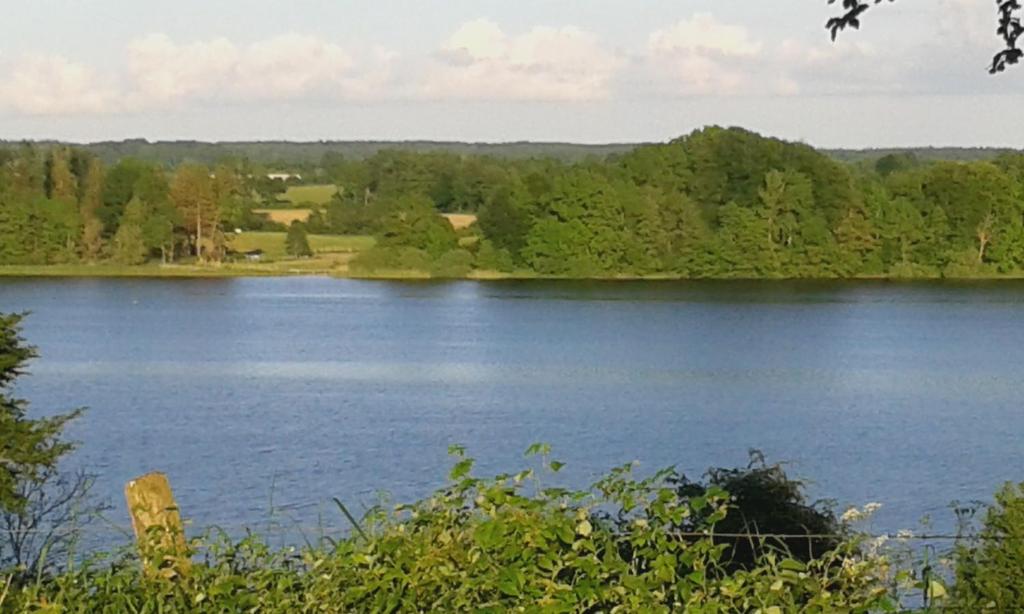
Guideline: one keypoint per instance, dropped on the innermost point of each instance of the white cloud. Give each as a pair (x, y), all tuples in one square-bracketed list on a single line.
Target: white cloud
[(701, 56), (703, 33), (480, 61), (286, 67), (967, 22), (54, 85), (845, 67)]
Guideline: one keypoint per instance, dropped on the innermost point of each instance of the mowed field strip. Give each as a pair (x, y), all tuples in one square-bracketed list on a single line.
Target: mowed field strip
[(272, 243), (299, 195)]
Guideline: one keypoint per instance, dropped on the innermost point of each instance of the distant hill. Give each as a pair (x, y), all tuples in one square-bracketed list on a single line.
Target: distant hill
[(926, 154), (285, 153)]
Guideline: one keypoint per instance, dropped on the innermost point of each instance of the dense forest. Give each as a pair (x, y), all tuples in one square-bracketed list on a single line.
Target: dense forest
[(715, 203)]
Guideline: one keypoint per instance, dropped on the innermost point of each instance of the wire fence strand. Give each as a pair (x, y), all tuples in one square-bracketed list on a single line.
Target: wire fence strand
[(314, 529)]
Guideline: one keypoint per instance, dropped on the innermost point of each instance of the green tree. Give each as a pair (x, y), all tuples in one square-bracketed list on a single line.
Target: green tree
[(587, 224), (158, 229), (194, 195), (784, 196), (743, 249), (89, 209), (903, 225), (453, 264), (856, 242), (296, 242), (61, 183), (983, 213), (19, 235), (28, 446), (118, 190), (129, 246), (688, 248), (490, 258), (59, 228), (506, 218), (412, 221)]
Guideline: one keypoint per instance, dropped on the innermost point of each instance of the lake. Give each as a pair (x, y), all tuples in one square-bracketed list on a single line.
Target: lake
[(262, 398)]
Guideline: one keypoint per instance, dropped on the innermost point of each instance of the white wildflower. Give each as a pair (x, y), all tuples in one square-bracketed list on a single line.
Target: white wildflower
[(874, 545)]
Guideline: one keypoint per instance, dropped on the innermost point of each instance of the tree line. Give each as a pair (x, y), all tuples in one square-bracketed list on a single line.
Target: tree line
[(63, 205), (717, 203)]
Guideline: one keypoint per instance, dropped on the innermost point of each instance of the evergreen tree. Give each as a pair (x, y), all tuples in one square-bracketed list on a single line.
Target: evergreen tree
[(89, 209), (297, 242), (129, 247), (28, 446), (61, 183)]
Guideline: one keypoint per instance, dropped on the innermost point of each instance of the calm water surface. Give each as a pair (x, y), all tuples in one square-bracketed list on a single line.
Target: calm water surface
[(261, 394)]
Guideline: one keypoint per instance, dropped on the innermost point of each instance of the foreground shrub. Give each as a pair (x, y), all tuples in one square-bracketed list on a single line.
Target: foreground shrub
[(764, 500), (510, 543), (990, 571)]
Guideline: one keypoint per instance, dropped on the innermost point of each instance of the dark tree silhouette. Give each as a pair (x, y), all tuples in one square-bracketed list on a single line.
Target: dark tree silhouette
[(1008, 29)]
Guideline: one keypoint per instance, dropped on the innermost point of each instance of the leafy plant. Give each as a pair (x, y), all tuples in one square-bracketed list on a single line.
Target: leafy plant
[(508, 543), (988, 567)]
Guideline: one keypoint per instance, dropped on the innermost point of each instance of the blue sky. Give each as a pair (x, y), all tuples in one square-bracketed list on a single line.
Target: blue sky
[(576, 70)]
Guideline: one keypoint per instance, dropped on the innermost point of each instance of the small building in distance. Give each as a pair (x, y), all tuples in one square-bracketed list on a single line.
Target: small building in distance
[(254, 255), (284, 176)]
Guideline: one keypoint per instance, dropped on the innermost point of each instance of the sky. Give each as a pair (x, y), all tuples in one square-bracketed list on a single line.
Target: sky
[(590, 71)]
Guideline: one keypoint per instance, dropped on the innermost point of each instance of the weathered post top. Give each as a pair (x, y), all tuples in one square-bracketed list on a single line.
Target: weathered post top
[(157, 524)]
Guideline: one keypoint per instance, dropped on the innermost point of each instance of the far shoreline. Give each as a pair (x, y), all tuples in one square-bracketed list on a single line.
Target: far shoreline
[(230, 271)]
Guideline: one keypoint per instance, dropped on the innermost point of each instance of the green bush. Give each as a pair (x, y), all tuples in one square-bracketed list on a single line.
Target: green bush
[(907, 270), (963, 264), (511, 543), (453, 264), (491, 258), (990, 570), (382, 259)]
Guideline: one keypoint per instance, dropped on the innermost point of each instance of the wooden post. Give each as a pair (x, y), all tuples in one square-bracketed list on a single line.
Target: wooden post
[(157, 524)]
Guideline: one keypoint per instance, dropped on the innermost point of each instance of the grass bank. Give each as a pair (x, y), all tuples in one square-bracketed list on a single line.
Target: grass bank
[(331, 254), (336, 265)]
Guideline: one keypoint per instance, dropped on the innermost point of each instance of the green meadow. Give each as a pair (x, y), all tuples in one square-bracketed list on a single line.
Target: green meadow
[(298, 195)]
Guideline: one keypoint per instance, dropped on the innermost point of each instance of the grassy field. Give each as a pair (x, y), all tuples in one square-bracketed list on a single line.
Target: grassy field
[(316, 194), (285, 216), (460, 220), (272, 243)]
